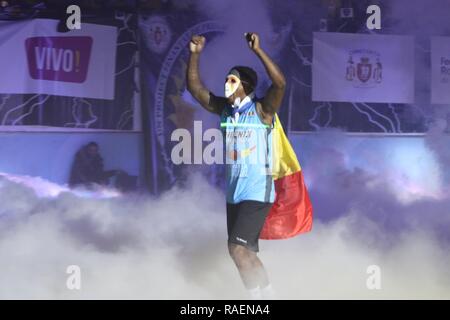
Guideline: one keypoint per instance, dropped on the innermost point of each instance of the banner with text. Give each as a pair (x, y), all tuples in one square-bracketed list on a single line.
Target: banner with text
[(440, 70), (36, 58)]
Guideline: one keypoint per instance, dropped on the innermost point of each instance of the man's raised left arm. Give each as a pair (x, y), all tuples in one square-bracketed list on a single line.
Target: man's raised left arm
[(274, 96)]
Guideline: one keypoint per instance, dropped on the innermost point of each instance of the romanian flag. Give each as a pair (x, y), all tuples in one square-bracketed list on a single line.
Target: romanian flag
[(292, 212)]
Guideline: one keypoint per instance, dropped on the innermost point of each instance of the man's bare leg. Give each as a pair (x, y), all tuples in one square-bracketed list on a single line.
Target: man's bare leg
[(251, 269)]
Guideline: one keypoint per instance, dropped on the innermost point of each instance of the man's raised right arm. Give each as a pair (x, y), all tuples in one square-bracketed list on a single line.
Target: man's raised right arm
[(194, 85)]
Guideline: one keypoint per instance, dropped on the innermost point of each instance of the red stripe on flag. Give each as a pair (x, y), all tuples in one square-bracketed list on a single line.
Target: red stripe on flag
[(292, 212)]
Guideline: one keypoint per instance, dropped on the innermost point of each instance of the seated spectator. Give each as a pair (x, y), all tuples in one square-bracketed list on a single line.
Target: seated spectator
[(87, 169)]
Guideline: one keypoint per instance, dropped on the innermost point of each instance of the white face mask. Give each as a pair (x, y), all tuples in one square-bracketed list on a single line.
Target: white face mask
[(231, 85)]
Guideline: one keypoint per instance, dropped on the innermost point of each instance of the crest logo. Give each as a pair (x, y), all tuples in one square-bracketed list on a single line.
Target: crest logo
[(157, 32), (364, 68)]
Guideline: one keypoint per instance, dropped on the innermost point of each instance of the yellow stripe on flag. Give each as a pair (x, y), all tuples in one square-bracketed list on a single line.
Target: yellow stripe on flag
[(284, 159)]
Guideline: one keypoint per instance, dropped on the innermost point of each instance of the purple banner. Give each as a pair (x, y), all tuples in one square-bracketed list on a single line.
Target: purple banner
[(64, 59)]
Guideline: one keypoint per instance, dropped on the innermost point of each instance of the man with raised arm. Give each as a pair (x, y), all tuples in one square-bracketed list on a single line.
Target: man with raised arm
[(247, 123)]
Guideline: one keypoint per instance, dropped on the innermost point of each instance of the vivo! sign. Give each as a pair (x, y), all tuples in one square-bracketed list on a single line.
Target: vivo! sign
[(63, 59)]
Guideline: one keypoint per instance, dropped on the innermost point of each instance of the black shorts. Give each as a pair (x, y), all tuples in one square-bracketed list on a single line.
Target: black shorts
[(245, 221)]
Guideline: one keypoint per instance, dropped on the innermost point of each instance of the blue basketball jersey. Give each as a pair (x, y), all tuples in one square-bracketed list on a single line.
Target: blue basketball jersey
[(248, 155)]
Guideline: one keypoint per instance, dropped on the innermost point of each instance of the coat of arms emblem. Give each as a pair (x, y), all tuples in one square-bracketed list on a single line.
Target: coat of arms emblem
[(367, 71)]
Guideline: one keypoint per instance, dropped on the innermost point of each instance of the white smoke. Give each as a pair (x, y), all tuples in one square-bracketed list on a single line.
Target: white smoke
[(174, 246)]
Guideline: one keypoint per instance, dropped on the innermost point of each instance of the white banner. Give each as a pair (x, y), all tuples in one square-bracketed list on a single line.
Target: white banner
[(35, 58), (363, 68), (440, 70)]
